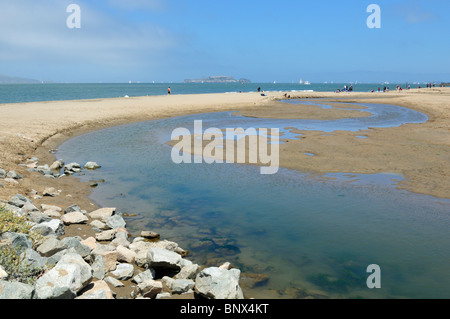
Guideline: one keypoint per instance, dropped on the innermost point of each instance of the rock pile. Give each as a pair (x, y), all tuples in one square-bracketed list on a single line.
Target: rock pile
[(92, 268)]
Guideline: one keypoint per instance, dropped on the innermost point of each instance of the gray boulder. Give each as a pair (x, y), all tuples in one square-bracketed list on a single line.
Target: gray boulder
[(57, 165), (75, 243), (85, 270), (15, 290), (115, 221), (17, 240), (34, 215), (2, 173), (19, 200), (188, 271), (50, 246), (99, 268), (42, 229), (219, 283), (178, 286), (56, 225), (62, 282), (72, 168), (149, 274), (14, 175), (71, 209), (70, 275), (32, 258), (16, 210), (29, 207)]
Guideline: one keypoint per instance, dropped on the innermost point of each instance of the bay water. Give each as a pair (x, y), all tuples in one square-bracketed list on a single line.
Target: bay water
[(17, 93), (292, 234)]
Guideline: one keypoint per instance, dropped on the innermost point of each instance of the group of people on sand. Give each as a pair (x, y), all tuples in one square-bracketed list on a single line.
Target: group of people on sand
[(345, 89), (385, 89)]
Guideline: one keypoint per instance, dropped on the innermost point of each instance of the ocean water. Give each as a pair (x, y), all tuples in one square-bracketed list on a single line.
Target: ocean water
[(291, 234), (15, 93)]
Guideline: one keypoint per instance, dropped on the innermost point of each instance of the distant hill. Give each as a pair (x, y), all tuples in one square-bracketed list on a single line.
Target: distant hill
[(217, 79), (5, 79)]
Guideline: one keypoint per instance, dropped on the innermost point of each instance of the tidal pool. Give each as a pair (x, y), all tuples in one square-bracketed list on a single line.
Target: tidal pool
[(291, 234)]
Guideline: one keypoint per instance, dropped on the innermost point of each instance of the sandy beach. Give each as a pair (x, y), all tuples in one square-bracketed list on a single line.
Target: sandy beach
[(419, 152)]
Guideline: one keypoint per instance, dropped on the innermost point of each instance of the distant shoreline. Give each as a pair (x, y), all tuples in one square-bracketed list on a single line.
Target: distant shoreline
[(45, 92)]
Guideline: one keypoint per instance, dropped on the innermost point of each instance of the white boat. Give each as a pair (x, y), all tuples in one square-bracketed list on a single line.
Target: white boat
[(301, 81), (307, 83)]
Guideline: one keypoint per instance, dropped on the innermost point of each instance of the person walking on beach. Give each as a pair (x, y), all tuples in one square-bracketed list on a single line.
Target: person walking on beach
[(169, 91)]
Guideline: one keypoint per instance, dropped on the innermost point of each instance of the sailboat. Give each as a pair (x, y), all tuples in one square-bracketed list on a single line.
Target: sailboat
[(301, 81)]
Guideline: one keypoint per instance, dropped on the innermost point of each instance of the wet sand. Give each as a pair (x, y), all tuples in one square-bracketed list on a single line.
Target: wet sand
[(420, 152)]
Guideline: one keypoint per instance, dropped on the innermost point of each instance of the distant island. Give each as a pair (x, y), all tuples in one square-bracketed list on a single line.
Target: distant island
[(5, 79), (217, 79)]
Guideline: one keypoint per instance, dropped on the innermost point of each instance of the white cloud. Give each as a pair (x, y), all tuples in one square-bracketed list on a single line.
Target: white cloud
[(36, 32)]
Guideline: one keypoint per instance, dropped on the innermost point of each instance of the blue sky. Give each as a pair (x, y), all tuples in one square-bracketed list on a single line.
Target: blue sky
[(264, 41)]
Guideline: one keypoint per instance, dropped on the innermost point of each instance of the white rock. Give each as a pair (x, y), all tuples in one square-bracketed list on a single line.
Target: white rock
[(3, 274), (106, 235), (149, 274), (52, 207), (102, 213), (52, 213), (113, 281), (148, 289), (97, 290), (50, 191), (123, 271), (218, 283), (90, 242), (98, 224), (91, 165), (126, 255), (74, 218), (159, 258)]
